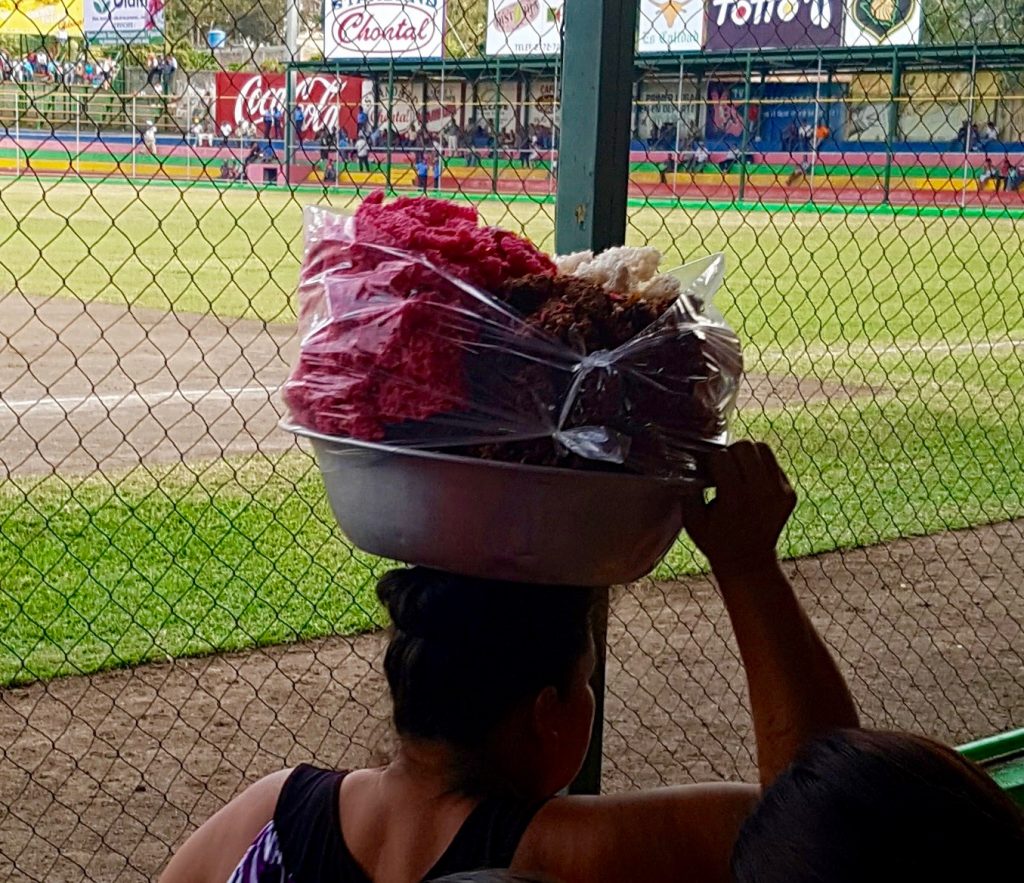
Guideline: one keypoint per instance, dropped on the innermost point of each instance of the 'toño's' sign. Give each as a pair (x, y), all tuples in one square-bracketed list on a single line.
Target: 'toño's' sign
[(383, 28)]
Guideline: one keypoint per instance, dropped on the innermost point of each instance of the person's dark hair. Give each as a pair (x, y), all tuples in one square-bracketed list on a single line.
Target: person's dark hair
[(859, 805), (464, 652)]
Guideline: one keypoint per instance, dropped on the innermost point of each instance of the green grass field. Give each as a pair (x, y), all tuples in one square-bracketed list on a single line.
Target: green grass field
[(105, 570)]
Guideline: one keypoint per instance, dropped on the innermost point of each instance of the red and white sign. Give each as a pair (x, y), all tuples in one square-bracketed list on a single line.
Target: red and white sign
[(326, 100), (384, 28)]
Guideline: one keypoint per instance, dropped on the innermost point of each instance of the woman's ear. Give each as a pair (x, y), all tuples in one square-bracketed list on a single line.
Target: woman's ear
[(548, 710)]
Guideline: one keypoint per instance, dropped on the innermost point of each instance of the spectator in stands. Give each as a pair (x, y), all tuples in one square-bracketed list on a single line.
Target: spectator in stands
[(438, 166), (330, 172), (199, 134), (344, 147), (149, 137), (328, 142), (107, 71), (989, 134), (153, 71), (729, 160), (668, 166), (865, 806), (493, 711), (1003, 173), (791, 136), (988, 173), (422, 172), (699, 157), (1013, 179), (168, 70), (800, 172), (362, 121), (246, 133), (299, 121), (820, 136), (226, 172), (225, 133), (277, 115), (806, 134), (523, 144), (362, 150), (268, 124), (254, 155)]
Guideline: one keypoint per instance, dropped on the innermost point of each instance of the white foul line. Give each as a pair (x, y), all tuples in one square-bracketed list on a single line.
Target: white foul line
[(112, 400), (938, 347)]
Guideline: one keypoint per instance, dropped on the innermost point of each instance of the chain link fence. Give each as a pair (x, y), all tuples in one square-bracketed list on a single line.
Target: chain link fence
[(178, 613)]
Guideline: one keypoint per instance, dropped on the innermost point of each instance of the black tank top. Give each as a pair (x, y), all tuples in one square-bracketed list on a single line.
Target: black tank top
[(308, 823)]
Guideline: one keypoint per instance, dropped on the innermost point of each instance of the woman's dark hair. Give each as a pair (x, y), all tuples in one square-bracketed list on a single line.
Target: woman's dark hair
[(859, 806), (464, 652)]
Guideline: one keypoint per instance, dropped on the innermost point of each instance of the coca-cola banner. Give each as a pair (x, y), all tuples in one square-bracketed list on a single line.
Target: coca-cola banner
[(524, 27), (773, 24), (384, 28), (326, 100)]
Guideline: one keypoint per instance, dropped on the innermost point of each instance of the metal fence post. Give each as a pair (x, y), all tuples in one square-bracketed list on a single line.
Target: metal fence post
[(496, 153), (597, 89), (390, 118), (17, 131), (135, 135), (968, 145), (593, 179), (892, 129), (745, 140), (289, 116)]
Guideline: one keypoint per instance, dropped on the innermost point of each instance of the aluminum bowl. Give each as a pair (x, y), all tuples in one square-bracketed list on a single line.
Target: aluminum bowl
[(498, 520)]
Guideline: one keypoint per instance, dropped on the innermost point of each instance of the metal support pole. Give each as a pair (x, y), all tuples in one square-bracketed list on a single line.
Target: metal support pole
[(593, 177), (593, 182), (588, 781), (970, 123), (679, 124), (892, 128), (496, 152), (78, 135), (17, 131), (815, 146), (188, 132), (289, 135), (745, 140), (135, 135), (556, 104), (389, 116), (291, 31)]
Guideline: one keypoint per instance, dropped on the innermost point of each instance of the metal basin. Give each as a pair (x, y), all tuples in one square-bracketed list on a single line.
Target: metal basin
[(498, 520)]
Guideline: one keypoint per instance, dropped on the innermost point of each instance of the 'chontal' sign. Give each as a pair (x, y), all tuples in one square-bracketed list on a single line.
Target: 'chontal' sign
[(384, 28)]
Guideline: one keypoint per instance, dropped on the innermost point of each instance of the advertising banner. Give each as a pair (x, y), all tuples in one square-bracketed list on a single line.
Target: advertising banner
[(670, 25), (773, 24), (524, 27), (725, 119), (326, 100), (41, 18), (124, 21), (384, 28), (883, 22)]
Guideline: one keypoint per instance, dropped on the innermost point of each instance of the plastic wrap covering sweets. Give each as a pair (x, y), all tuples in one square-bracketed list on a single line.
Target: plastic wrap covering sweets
[(420, 327)]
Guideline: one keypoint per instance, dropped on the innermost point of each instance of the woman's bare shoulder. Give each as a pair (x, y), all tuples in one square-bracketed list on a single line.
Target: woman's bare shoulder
[(678, 833), (213, 851)]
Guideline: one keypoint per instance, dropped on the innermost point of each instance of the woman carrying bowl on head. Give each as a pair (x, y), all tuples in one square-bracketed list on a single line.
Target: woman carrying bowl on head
[(493, 710)]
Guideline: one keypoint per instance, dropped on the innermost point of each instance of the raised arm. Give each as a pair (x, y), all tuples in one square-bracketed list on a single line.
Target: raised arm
[(796, 691)]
